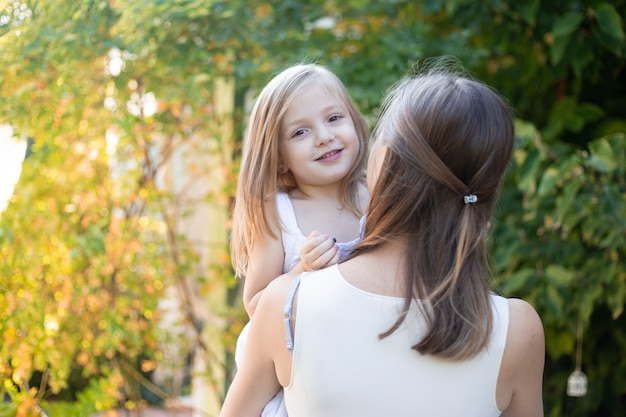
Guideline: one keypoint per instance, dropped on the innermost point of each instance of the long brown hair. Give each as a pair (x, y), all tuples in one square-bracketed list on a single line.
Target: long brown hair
[(255, 213), (448, 137)]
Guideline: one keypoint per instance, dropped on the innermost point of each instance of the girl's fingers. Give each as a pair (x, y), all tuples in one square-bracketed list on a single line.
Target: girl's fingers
[(332, 260), (318, 251)]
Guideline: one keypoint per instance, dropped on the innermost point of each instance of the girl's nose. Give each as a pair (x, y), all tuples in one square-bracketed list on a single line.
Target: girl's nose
[(325, 136)]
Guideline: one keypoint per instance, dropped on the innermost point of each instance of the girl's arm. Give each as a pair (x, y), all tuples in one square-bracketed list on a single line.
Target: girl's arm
[(520, 382), (265, 263), (265, 356), (267, 259)]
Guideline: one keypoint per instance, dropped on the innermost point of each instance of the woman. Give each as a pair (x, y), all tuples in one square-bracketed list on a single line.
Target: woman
[(407, 326)]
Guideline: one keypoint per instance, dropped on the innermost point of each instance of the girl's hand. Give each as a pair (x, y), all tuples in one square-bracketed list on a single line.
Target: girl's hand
[(318, 251)]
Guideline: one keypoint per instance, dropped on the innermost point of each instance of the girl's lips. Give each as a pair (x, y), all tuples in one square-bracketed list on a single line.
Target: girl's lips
[(330, 156)]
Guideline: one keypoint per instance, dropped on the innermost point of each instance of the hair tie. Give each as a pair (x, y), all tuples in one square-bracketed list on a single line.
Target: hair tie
[(470, 199)]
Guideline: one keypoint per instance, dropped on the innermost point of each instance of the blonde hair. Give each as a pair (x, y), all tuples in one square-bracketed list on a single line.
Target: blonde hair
[(447, 136), (259, 180)]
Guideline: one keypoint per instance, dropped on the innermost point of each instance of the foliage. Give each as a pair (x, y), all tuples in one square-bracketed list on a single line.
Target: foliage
[(560, 245), (91, 231), (90, 240)]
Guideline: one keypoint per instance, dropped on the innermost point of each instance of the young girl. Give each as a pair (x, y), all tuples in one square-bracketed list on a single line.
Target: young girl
[(301, 183)]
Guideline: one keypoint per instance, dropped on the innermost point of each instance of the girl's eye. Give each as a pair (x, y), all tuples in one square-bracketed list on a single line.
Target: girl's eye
[(334, 118), (298, 132)]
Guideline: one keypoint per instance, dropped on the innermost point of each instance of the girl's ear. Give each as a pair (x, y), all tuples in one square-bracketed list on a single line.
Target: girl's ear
[(282, 169)]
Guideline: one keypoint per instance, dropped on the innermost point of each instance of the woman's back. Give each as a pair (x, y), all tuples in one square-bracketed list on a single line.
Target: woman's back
[(362, 375)]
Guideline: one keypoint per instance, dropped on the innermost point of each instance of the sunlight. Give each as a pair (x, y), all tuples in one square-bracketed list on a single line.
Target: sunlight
[(12, 152)]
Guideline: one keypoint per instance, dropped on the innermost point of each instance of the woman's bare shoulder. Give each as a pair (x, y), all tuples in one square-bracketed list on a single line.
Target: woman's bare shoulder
[(523, 318), (275, 295), (525, 335), (521, 373)]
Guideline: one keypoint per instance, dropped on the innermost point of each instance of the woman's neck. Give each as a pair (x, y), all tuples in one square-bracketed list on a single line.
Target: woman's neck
[(380, 270)]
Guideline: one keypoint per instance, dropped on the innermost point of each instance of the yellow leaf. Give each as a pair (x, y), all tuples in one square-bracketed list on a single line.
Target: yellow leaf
[(263, 11)]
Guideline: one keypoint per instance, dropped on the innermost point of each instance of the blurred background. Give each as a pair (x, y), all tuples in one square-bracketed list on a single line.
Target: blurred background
[(120, 131)]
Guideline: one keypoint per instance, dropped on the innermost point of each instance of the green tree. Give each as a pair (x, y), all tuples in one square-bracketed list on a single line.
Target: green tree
[(90, 240)]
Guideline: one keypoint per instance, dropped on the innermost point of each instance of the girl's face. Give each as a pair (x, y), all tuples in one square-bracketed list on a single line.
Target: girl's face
[(318, 141), (374, 164)]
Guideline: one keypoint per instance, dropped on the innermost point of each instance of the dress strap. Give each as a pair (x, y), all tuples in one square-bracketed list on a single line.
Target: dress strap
[(288, 310)]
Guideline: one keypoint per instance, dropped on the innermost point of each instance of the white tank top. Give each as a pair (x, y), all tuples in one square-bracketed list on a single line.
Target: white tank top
[(293, 238), (340, 368)]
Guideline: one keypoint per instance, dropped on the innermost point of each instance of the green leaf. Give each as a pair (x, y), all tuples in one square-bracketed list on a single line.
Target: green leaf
[(618, 141), (517, 280), (524, 130), (571, 115), (609, 21), (555, 301), (557, 50), (574, 122), (590, 112), (602, 157), (580, 59), (617, 299), (588, 300), (566, 24), (566, 198), (558, 276), (527, 10), (548, 181), (563, 107), (572, 218), (503, 254), (528, 172)]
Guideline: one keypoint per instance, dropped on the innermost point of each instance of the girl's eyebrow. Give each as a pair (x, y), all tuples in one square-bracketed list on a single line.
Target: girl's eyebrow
[(330, 108)]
